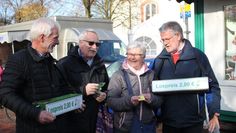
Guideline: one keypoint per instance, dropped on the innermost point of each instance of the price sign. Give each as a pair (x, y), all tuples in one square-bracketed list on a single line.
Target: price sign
[(185, 84)]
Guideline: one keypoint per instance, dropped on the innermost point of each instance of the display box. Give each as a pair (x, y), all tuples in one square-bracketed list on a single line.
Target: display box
[(62, 104)]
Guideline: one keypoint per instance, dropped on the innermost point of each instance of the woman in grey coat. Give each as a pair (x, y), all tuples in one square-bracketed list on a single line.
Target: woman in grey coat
[(142, 101)]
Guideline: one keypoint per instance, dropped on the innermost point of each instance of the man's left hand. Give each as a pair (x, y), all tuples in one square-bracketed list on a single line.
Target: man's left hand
[(213, 123), (101, 97)]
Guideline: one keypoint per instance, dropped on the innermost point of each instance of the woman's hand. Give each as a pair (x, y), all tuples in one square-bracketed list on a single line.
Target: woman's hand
[(134, 100), (147, 97)]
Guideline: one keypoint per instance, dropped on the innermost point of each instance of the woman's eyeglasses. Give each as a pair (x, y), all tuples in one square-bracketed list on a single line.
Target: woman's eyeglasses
[(91, 43), (134, 55)]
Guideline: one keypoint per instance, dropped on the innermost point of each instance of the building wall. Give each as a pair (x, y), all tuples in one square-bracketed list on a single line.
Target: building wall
[(215, 46), (143, 5), (167, 10)]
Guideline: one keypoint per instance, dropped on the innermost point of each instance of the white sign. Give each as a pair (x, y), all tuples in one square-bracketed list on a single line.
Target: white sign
[(3, 37), (185, 84), (63, 106)]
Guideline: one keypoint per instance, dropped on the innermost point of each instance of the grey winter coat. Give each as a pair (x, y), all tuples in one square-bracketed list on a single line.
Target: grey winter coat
[(120, 100)]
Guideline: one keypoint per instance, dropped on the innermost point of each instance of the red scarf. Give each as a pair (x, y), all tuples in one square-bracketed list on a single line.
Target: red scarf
[(175, 57)]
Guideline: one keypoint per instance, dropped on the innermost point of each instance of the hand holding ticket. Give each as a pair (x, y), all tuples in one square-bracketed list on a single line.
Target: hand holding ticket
[(141, 98), (100, 85)]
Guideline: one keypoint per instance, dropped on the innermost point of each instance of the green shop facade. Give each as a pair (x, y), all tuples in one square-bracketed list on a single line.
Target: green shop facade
[(215, 34)]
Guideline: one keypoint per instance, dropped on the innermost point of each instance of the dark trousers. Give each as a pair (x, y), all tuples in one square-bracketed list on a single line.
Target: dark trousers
[(119, 131), (198, 128)]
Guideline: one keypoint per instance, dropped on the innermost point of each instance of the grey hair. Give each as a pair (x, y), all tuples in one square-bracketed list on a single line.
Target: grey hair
[(85, 32), (43, 26), (172, 25), (137, 44)]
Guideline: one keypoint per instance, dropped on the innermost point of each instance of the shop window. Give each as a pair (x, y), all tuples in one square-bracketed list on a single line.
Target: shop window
[(147, 12), (154, 10), (230, 31), (151, 45), (150, 10)]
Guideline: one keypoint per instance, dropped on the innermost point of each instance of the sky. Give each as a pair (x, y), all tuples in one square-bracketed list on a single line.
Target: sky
[(67, 8)]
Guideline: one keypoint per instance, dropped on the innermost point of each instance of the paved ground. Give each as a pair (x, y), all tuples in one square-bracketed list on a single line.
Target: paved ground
[(8, 126), (228, 127)]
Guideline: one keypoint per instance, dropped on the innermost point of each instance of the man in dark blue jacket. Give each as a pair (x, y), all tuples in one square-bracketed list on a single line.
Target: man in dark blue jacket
[(183, 112)]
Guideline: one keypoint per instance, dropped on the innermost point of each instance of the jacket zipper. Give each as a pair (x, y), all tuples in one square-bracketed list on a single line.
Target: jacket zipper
[(141, 105), (122, 119)]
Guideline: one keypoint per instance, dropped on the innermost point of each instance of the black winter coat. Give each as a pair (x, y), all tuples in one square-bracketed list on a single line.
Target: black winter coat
[(79, 74), (29, 78)]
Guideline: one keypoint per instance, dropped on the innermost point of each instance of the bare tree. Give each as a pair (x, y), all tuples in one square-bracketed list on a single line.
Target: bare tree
[(13, 8), (106, 8), (4, 18), (30, 12), (88, 4), (119, 11)]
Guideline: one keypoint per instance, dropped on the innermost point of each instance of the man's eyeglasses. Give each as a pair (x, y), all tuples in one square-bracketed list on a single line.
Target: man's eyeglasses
[(166, 39), (91, 43)]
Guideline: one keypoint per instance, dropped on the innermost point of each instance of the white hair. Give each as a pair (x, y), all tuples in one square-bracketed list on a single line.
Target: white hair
[(85, 32), (42, 26), (137, 44)]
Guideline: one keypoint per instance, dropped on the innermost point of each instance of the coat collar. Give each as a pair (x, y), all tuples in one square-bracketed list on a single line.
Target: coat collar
[(36, 56), (74, 53), (125, 67), (187, 52)]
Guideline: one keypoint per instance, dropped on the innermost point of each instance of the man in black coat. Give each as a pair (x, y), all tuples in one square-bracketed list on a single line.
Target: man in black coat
[(84, 69), (30, 76)]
